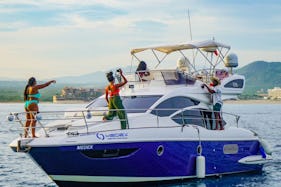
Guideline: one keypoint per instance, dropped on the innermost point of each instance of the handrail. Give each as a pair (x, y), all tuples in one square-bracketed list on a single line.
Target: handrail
[(94, 116), (204, 73)]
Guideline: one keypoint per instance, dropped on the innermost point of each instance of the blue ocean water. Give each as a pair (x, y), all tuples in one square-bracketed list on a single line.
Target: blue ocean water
[(18, 170)]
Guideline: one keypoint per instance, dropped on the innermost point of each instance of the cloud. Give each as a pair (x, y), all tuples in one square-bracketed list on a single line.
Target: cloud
[(64, 37)]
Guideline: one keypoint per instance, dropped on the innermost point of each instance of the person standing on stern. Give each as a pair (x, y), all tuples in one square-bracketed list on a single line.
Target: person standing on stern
[(31, 97)]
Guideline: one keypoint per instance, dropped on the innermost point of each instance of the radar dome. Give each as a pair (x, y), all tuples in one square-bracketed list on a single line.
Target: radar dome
[(231, 60), (183, 64)]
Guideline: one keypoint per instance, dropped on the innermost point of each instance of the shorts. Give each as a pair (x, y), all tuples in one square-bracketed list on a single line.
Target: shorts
[(217, 107)]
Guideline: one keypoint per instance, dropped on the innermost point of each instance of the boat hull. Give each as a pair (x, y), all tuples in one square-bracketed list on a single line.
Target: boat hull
[(141, 161)]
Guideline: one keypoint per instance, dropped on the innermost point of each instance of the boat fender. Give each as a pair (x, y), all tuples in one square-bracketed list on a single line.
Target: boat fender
[(38, 117), (267, 148), (88, 115), (200, 166), (10, 117)]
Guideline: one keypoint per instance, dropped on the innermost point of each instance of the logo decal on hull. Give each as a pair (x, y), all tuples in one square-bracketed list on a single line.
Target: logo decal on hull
[(100, 136), (112, 136)]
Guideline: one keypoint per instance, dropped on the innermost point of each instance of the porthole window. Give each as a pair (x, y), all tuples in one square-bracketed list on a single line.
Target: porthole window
[(160, 150)]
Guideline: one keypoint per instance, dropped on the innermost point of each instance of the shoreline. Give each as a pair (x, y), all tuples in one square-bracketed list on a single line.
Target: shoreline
[(253, 101), (248, 101)]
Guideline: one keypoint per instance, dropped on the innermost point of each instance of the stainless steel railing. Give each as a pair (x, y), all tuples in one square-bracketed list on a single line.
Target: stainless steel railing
[(87, 118)]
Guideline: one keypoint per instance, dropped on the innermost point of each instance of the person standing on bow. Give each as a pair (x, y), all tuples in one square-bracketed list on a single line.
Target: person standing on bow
[(31, 98), (114, 101), (217, 101)]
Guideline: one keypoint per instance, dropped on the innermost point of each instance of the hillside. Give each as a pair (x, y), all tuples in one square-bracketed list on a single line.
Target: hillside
[(12, 91), (261, 75)]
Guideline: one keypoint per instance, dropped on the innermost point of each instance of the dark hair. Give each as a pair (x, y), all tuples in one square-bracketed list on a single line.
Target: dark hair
[(31, 82), (141, 66), (110, 76)]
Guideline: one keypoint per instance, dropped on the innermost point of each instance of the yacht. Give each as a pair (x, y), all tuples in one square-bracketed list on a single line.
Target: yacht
[(170, 133)]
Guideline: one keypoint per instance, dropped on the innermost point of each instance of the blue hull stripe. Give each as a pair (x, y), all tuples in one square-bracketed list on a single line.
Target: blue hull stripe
[(143, 160)]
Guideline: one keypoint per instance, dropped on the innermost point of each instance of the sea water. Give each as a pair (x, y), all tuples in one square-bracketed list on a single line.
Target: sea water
[(18, 170)]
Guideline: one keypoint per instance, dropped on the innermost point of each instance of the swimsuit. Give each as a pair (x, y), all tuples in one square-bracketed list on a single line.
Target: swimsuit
[(28, 102)]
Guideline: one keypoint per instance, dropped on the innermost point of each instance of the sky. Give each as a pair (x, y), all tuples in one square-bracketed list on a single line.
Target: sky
[(54, 38)]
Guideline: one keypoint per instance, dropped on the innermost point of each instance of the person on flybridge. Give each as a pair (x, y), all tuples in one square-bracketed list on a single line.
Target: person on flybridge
[(142, 71), (183, 64)]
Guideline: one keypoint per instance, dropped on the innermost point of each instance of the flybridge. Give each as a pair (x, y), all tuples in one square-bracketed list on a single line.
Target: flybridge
[(213, 52), (192, 45)]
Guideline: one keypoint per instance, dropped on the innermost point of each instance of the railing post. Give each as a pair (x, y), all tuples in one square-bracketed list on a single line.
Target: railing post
[(157, 118), (183, 122), (42, 126), (85, 121), (237, 120), (46, 134), (127, 120)]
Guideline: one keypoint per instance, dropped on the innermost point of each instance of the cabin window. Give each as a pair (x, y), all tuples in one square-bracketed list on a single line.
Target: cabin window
[(171, 105), (238, 83), (190, 117), (200, 117), (174, 78)]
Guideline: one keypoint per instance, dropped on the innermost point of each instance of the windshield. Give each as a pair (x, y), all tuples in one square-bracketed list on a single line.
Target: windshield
[(98, 102), (140, 103), (132, 104)]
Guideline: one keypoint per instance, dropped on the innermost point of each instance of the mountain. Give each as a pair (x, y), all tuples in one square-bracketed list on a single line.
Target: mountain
[(95, 79), (261, 75)]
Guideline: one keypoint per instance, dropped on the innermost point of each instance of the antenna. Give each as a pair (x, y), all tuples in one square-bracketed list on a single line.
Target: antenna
[(189, 22), (189, 25)]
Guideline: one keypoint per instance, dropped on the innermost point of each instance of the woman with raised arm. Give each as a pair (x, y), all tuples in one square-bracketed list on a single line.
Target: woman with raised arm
[(31, 98), (114, 101)]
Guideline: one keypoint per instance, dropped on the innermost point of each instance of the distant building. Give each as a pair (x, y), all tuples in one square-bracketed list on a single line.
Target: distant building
[(274, 93), (77, 94)]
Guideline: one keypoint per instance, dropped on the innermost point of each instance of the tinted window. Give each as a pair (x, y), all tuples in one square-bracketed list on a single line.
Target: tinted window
[(193, 117), (238, 83), (133, 104), (173, 104), (136, 104), (174, 78)]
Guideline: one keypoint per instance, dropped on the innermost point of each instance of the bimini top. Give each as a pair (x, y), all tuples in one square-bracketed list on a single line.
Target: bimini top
[(207, 45)]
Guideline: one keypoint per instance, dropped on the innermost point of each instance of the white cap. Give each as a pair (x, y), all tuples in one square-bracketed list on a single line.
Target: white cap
[(183, 64)]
